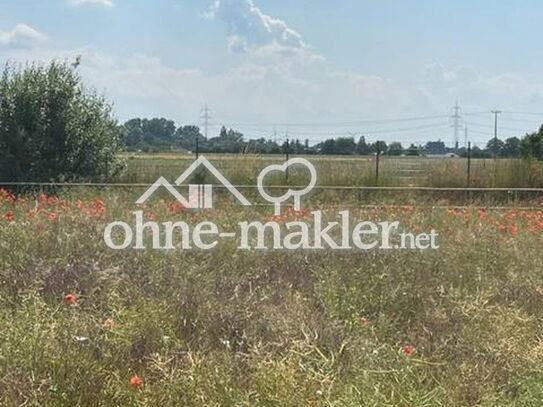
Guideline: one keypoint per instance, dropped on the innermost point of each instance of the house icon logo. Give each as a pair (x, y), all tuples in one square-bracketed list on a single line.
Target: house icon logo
[(200, 196)]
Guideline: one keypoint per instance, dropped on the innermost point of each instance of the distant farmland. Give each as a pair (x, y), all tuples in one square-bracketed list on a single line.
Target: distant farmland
[(354, 170)]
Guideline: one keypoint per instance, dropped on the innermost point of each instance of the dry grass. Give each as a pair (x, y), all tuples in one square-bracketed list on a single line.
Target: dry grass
[(353, 171)]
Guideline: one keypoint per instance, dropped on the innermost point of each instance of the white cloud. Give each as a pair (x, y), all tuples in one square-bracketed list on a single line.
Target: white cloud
[(441, 85), (249, 28), (280, 78), (105, 3), (21, 36)]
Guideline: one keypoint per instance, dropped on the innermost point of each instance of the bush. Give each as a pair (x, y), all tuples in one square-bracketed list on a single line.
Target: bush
[(532, 144), (54, 129)]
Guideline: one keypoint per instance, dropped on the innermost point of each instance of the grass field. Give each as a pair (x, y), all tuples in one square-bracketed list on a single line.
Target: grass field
[(88, 326), (353, 170)]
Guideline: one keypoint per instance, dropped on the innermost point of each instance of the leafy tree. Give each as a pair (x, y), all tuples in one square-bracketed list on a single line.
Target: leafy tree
[(186, 136), (132, 134), (379, 147), (338, 146), (532, 144), (511, 147), (395, 148), (477, 152), (413, 150), (495, 147), (149, 134), (297, 147), (362, 147), (345, 146), (264, 146), (435, 147), (328, 146), (52, 128), (229, 141), (159, 131)]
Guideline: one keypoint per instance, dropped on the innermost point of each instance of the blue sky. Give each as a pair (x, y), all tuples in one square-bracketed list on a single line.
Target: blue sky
[(310, 67)]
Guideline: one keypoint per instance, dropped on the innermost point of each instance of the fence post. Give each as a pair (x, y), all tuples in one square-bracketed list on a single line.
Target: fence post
[(377, 154), (469, 164), (287, 156)]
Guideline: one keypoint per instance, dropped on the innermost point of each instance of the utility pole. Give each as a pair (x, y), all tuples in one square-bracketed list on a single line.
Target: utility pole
[(206, 116), (496, 113), (456, 118), (466, 135)]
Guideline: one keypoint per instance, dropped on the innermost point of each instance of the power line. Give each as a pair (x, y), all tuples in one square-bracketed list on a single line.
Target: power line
[(523, 113), (476, 113), (338, 124), (490, 126), (509, 119), (434, 126)]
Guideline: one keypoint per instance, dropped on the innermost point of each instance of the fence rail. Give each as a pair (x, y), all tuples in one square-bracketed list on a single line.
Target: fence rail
[(276, 187)]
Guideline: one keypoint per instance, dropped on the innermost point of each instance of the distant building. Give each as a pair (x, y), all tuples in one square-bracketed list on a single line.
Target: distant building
[(445, 155)]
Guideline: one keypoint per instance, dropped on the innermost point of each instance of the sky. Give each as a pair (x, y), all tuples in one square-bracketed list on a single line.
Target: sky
[(308, 69)]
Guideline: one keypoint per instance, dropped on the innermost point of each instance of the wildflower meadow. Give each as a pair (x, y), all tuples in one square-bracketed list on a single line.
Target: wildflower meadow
[(87, 325)]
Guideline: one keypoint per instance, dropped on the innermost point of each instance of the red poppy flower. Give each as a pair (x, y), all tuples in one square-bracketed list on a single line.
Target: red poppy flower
[(109, 323), (409, 350), (136, 381), (70, 299), (9, 216)]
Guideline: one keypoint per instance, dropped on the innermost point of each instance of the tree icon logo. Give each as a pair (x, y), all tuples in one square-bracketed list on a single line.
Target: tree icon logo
[(291, 193)]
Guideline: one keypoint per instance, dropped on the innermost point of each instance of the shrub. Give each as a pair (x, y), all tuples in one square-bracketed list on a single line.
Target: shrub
[(52, 128)]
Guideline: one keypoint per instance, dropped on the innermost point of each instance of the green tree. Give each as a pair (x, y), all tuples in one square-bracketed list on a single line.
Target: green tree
[(345, 146), (379, 147), (229, 141), (435, 147), (328, 147), (511, 147), (157, 134), (186, 136), (532, 144), (132, 135), (395, 148), (52, 128), (413, 150), (495, 146), (362, 147)]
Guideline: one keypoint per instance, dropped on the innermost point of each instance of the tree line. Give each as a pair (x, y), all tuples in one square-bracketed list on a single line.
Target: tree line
[(160, 134)]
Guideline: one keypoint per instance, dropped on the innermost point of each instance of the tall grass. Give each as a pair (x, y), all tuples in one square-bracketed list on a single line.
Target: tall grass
[(353, 171), (231, 328)]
